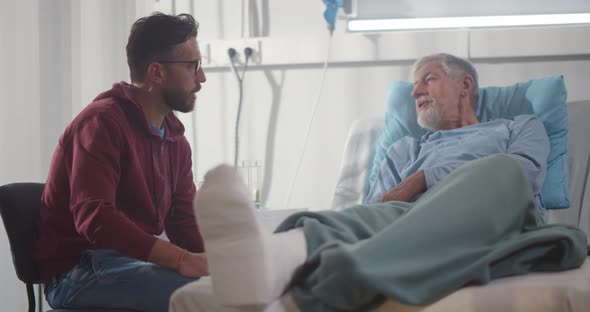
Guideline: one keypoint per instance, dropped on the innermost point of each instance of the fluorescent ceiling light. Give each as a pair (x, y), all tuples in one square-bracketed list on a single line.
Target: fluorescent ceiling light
[(465, 22)]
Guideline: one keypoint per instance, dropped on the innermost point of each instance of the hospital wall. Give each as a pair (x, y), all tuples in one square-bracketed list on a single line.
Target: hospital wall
[(57, 55)]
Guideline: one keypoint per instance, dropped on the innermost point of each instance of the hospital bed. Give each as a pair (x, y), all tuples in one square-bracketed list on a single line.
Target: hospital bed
[(539, 292), (557, 291)]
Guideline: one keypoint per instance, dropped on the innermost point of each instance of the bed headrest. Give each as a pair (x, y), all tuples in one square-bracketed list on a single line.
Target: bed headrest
[(578, 169)]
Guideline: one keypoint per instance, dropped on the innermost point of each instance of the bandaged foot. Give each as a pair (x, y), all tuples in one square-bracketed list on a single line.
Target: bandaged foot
[(248, 265), (198, 296)]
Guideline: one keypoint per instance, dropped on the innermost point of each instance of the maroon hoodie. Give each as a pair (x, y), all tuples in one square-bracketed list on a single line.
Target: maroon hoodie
[(114, 184)]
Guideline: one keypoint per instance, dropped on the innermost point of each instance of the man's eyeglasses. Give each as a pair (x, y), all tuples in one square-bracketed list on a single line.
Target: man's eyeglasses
[(196, 63)]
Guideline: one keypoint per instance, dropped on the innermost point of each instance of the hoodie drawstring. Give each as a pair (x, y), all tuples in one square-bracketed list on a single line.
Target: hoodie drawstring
[(172, 185), (158, 199), (154, 196)]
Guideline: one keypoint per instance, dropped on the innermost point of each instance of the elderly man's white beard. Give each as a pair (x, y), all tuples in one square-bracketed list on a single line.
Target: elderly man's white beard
[(430, 118)]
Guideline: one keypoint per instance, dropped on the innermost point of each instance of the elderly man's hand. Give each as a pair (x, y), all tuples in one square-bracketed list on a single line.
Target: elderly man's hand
[(408, 189)]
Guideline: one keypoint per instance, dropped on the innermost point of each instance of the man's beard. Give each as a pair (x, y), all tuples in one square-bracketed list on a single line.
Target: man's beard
[(177, 100), (430, 117)]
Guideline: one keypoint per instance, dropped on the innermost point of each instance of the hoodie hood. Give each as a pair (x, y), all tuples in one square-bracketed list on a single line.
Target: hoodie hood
[(124, 91)]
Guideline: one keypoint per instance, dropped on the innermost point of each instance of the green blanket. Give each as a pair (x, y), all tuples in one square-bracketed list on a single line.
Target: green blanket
[(476, 225)]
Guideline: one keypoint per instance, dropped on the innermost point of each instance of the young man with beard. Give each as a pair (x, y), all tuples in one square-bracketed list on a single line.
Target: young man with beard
[(120, 175), (456, 207)]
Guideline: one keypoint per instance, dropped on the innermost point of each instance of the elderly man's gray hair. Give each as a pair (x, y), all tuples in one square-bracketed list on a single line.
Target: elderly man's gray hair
[(454, 67)]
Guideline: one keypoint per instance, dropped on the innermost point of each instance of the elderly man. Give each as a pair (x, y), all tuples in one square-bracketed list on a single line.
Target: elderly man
[(458, 206), (446, 91)]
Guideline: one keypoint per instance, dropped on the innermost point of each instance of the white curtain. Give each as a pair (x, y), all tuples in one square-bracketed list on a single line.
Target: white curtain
[(19, 90), (57, 56)]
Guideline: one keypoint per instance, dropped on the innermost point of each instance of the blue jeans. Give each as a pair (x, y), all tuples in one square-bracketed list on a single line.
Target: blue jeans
[(108, 280)]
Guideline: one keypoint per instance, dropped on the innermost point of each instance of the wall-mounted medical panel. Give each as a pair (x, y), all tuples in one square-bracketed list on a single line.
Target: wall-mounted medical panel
[(346, 48), (379, 47)]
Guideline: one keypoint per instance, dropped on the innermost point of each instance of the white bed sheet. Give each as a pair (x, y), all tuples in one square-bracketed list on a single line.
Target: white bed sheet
[(567, 291), (538, 292)]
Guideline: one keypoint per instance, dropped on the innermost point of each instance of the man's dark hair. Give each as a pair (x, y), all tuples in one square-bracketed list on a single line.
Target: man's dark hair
[(154, 37)]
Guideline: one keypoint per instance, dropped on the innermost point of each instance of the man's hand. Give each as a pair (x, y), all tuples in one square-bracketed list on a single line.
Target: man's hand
[(408, 189), (193, 265), (182, 261)]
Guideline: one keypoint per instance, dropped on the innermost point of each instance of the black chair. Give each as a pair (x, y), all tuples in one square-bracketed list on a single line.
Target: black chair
[(19, 208)]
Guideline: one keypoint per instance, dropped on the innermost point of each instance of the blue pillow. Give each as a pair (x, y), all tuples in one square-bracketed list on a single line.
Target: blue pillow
[(546, 98)]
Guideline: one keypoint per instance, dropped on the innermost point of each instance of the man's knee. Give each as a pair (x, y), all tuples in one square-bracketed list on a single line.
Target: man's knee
[(506, 163), (498, 169), (505, 169), (503, 160)]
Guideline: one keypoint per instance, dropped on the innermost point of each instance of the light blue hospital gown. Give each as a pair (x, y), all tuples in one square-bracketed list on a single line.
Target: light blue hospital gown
[(438, 153)]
